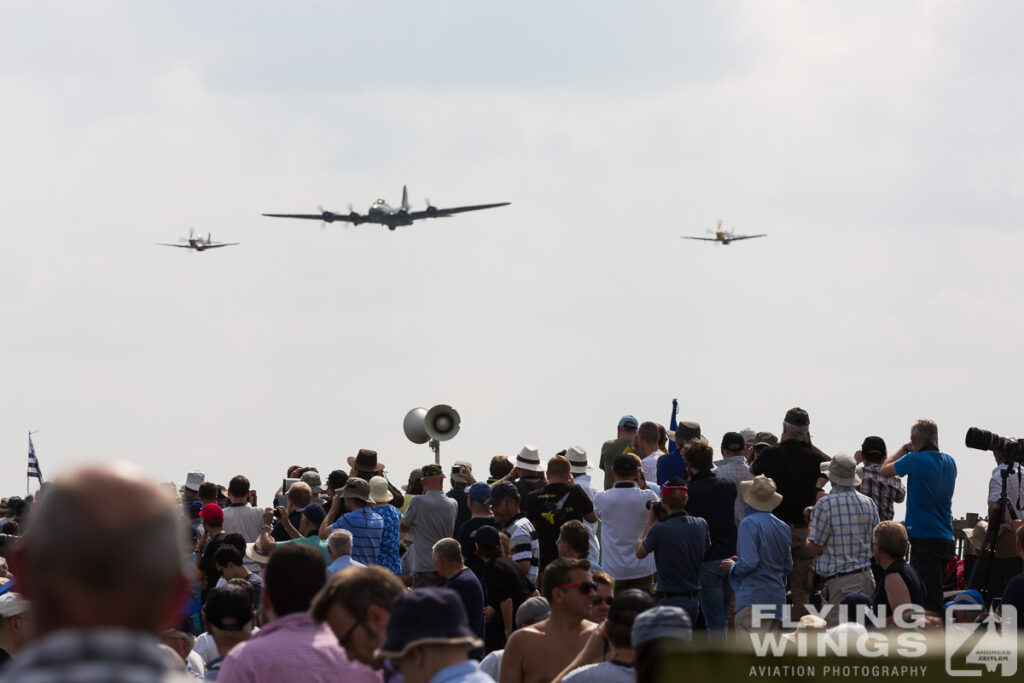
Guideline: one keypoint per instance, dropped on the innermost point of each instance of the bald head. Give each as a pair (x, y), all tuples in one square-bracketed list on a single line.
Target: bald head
[(103, 550)]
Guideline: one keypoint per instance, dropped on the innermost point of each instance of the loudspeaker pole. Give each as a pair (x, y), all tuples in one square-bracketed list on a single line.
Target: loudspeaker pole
[(435, 446)]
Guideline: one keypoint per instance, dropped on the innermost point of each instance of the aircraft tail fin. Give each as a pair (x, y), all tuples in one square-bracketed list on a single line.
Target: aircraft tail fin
[(209, 237), (405, 198)]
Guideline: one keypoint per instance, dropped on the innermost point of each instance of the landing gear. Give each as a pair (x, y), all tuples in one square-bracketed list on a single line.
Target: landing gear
[(392, 227)]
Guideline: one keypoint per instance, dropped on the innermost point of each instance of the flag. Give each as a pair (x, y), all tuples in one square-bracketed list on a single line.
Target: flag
[(33, 463), (673, 425)]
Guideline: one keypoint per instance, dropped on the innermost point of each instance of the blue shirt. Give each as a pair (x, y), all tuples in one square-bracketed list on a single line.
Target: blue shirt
[(463, 672), (932, 476), (671, 465), (388, 555), (764, 560), (678, 545), (367, 529), (343, 562)]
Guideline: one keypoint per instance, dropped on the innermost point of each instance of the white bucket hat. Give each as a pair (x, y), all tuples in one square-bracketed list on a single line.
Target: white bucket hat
[(379, 492), (577, 457), (842, 470), (529, 459)]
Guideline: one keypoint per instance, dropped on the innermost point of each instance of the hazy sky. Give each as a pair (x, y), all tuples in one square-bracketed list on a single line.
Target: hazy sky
[(879, 145)]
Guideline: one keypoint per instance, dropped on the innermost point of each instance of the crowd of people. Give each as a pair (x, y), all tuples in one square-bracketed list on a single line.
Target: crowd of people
[(536, 573)]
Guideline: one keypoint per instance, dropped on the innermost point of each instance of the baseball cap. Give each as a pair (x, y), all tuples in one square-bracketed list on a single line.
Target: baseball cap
[(626, 463), (479, 492), (532, 610), (487, 536), (664, 621), (628, 422), (873, 444), (432, 470), (798, 417), (314, 512), (501, 491), (212, 513), (733, 441), (765, 439)]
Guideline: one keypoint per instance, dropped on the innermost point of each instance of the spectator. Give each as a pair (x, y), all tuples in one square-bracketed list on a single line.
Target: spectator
[(762, 440), (213, 536), (840, 535), (602, 595), (540, 652), (763, 557), (339, 547), (533, 611), (429, 640), (208, 493), (228, 618), (900, 584), (366, 526), (794, 466), (240, 516), (500, 468), (190, 489), (430, 517), (14, 621), (389, 553), (734, 469), (461, 479), (291, 646), (310, 519), (365, 466), (714, 500), (678, 543), (555, 504), (356, 604), (228, 562), (507, 587), (102, 593), (523, 545), (574, 542), (577, 458), (885, 491), (1006, 564), (654, 631), (413, 488), (1014, 593), (312, 479), (447, 555), (623, 513), (931, 476), (528, 475), (590, 665), (335, 482), (612, 449), (477, 497), (674, 465), (649, 446), (299, 497)]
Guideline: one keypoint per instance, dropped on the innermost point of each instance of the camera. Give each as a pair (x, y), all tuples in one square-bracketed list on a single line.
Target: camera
[(659, 509), (984, 440)]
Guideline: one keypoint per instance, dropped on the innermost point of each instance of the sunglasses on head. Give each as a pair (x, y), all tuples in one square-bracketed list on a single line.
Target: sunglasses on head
[(598, 600), (586, 587)]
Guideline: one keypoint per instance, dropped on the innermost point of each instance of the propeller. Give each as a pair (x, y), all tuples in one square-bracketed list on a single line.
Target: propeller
[(431, 209)]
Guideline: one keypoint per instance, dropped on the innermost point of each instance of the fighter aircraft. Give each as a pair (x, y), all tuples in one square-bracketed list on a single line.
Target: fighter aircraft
[(380, 212), (198, 242), (722, 235)]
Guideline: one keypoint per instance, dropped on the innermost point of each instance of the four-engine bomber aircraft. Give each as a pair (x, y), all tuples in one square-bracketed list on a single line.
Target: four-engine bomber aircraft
[(198, 242), (380, 212), (723, 236)]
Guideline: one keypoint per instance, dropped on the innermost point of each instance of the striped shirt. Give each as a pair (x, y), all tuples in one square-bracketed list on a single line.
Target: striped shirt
[(885, 491), (367, 529), (842, 523), (523, 545), (293, 648)]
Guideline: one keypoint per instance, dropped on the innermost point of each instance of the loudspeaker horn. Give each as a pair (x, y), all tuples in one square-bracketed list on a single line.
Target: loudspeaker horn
[(442, 422), (414, 425)]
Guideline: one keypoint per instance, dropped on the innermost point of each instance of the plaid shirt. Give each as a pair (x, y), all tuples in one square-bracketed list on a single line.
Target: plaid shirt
[(885, 491), (842, 522)]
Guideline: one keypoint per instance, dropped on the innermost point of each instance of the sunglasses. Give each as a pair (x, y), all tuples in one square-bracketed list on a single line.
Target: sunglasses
[(597, 601), (586, 587)]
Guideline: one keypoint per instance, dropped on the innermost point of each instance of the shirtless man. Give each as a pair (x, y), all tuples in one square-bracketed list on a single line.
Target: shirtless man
[(540, 652)]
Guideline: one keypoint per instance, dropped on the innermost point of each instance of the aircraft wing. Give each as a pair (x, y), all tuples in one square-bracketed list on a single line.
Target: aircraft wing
[(746, 237), (702, 239), (327, 217), (441, 213), (179, 246), (221, 244)]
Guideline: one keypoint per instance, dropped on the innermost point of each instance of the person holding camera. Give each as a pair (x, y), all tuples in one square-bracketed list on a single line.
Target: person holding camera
[(622, 510), (678, 542)]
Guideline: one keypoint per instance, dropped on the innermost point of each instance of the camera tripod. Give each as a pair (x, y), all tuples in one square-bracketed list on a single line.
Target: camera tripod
[(987, 554)]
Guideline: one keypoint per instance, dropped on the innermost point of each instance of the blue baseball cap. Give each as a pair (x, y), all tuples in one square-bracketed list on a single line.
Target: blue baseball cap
[(501, 491), (314, 513), (629, 422), (479, 492), (967, 597)]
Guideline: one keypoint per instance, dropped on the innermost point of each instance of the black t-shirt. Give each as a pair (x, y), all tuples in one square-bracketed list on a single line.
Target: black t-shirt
[(551, 507), (795, 469), (503, 580), (463, 513), (914, 585), (525, 488), (464, 535), (278, 533), (714, 500)]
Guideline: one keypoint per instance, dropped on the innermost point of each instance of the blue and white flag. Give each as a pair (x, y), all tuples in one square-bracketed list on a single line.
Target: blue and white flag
[(33, 463)]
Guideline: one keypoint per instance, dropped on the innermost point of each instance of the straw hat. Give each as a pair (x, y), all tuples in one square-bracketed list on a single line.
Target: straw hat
[(760, 494)]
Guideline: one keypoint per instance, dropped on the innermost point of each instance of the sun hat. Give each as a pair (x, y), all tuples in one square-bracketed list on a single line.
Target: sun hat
[(841, 470), (356, 487), (685, 433), (976, 536), (426, 616), (663, 621), (760, 494), (193, 480), (529, 459), (577, 458), (256, 554), (365, 461), (379, 491), (314, 481)]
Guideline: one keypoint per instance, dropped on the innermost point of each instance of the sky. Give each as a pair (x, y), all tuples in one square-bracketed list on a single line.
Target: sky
[(878, 144)]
